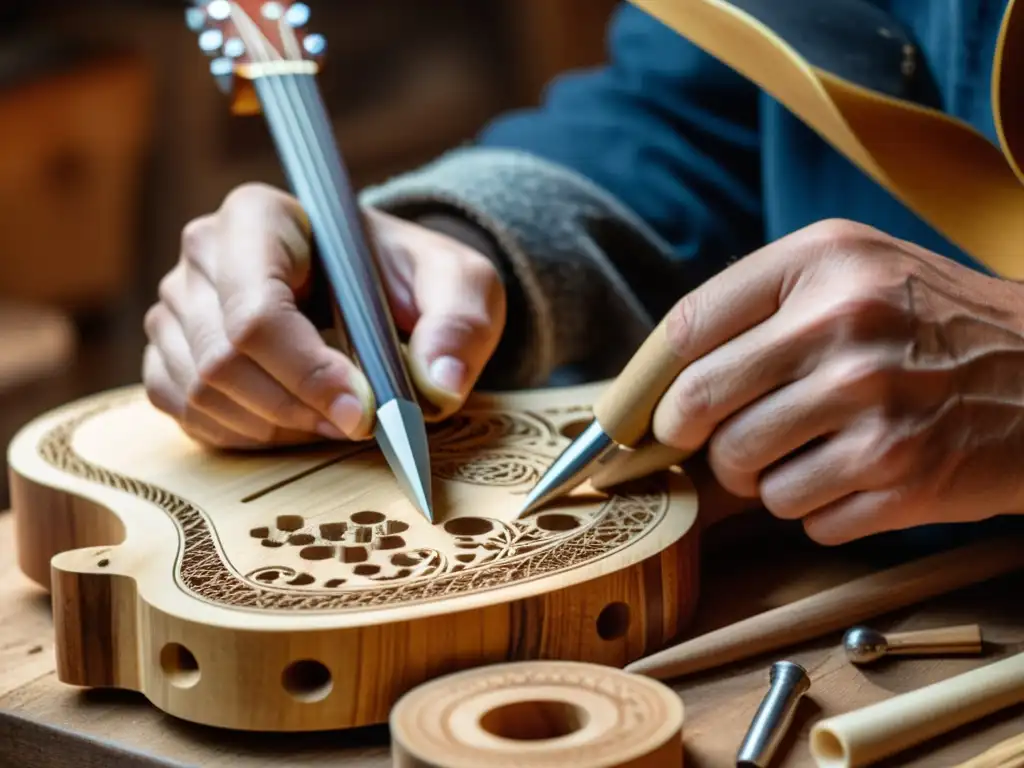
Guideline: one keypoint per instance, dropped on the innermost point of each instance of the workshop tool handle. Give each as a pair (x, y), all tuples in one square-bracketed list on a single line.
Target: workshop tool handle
[(833, 609), (939, 640), (867, 735)]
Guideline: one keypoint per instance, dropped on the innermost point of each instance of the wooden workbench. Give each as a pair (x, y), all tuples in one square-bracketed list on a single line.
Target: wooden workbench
[(44, 724)]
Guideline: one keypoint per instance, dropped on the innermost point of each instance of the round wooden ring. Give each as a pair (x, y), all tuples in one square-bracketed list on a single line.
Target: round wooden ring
[(539, 714)]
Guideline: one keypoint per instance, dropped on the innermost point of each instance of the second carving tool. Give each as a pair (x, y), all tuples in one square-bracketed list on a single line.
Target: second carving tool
[(622, 419)]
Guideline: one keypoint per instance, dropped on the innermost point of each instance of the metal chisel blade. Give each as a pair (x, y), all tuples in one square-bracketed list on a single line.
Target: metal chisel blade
[(402, 435)]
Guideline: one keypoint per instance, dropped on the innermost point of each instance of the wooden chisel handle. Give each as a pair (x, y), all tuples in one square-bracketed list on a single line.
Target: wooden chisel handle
[(960, 639), (626, 408)]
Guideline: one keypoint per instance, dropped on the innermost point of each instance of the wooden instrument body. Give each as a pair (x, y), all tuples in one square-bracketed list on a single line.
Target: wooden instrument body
[(298, 590)]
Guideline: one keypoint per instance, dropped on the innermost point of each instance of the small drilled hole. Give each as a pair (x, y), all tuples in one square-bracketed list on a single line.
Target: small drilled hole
[(301, 539), (366, 570), (103, 563), (260, 533), (368, 518), (468, 526), (179, 665), (397, 526), (557, 523), (333, 531), (613, 621), (267, 576), (535, 720), (307, 681), (289, 523), (390, 542), (354, 555), (317, 553)]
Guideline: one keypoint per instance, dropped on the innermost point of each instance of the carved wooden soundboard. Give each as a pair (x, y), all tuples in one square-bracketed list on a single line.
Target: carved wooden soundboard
[(299, 590)]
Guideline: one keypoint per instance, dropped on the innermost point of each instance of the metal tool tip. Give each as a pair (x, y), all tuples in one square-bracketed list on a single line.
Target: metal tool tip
[(576, 463), (402, 435)]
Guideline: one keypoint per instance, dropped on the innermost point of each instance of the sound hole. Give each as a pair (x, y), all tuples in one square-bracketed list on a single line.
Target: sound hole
[(540, 720)]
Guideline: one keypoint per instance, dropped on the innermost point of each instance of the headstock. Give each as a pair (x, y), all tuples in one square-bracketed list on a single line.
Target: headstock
[(246, 39)]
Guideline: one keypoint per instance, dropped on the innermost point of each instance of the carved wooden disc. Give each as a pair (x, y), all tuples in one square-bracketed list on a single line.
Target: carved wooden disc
[(299, 589), (539, 714)]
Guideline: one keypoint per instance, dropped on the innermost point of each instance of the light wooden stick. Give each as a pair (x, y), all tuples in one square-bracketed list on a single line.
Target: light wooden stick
[(962, 639), (867, 735), (864, 645), (1005, 754), (833, 609)]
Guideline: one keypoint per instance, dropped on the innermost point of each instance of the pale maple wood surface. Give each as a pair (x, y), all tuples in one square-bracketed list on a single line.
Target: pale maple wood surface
[(745, 571)]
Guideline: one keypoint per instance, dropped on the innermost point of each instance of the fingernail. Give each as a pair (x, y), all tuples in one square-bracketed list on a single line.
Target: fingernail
[(347, 413), (449, 374), (328, 430)]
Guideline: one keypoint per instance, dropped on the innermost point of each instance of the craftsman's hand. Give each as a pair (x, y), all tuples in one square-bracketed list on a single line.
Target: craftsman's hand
[(854, 381), (233, 359)]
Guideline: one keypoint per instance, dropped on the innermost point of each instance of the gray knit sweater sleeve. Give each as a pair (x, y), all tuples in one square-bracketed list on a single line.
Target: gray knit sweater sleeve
[(559, 236)]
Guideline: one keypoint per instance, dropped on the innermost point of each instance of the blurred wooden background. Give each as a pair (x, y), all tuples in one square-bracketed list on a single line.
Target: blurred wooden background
[(115, 136)]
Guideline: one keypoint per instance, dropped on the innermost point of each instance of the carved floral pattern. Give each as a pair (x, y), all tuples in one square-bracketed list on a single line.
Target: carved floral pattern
[(509, 449)]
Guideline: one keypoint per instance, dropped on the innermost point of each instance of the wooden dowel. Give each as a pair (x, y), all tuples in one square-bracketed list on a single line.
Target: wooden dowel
[(965, 639), (839, 607), (870, 734)]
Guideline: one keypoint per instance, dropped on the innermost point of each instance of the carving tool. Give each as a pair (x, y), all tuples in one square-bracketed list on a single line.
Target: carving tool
[(864, 598), (260, 61), (622, 420), (864, 645), (873, 733), (788, 682)]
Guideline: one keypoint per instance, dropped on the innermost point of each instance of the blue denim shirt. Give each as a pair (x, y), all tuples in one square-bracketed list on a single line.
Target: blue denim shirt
[(717, 167)]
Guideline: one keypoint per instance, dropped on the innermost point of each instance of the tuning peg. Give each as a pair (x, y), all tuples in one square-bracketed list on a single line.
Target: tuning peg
[(195, 18), (211, 41), (272, 11), (297, 15), (223, 71), (219, 10), (315, 45), (234, 47)]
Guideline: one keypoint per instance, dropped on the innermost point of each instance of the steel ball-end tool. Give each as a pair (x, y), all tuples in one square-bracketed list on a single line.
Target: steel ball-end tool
[(617, 444), (264, 62)]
